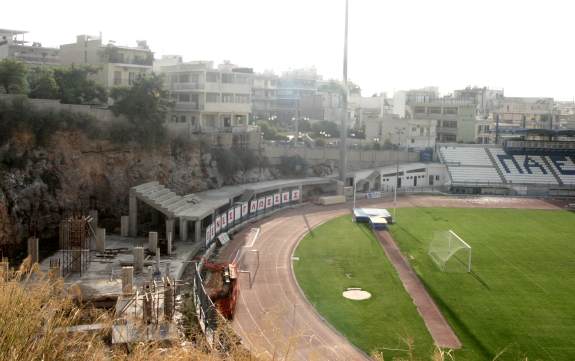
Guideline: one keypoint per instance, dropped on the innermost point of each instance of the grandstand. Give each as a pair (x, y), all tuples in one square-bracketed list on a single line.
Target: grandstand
[(518, 166)]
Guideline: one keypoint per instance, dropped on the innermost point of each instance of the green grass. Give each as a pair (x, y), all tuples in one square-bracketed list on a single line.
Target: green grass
[(343, 254), (520, 297)]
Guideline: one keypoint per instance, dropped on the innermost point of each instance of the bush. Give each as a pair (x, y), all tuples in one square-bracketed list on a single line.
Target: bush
[(19, 115), (293, 166)]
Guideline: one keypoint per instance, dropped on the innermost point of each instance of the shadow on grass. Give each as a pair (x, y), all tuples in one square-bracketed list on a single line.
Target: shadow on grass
[(460, 325)]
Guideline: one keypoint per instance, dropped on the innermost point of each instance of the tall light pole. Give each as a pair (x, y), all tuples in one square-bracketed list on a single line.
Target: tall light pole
[(343, 130), (398, 131)]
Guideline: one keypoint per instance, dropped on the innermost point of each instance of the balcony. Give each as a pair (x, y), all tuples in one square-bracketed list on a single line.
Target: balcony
[(228, 107), (188, 106), (187, 86)]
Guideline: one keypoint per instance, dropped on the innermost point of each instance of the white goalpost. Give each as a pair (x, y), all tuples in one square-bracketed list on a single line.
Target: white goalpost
[(450, 252)]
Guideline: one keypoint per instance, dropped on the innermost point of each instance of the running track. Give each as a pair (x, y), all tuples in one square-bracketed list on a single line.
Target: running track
[(273, 317)]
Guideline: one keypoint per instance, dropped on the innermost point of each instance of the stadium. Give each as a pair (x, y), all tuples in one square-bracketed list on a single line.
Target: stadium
[(470, 257)]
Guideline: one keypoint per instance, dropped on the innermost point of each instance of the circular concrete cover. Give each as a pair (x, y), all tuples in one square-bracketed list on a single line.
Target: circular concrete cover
[(356, 294)]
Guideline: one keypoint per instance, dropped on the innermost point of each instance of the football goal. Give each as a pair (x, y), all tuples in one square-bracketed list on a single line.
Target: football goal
[(450, 252)]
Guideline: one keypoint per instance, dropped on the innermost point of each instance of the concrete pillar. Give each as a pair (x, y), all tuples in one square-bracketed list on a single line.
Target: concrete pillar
[(158, 260), (93, 213), (100, 239), (138, 259), (300, 193), (168, 300), (133, 214), (183, 230), (124, 226), (33, 248), (198, 230), (340, 187), (169, 240), (127, 280), (170, 226), (152, 241)]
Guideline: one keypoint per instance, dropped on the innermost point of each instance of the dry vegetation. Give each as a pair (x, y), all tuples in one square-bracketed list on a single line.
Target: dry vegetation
[(36, 312)]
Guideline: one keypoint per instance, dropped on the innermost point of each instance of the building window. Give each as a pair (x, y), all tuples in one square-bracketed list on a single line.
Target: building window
[(184, 98), (212, 77), (117, 77), (421, 131), (132, 77), (419, 110), (182, 118), (227, 78), (184, 78), (242, 98), (412, 140), (212, 97), (227, 98), (450, 110), (434, 110), (227, 121), (450, 123), (241, 79)]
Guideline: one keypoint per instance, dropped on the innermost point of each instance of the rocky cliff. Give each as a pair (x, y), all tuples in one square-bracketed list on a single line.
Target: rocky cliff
[(38, 185)]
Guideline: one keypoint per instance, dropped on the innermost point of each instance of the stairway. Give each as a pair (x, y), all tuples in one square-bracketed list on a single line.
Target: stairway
[(552, 169), (494, 162)]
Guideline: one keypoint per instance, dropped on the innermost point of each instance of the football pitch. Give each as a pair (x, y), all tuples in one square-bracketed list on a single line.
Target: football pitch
[(518, 301)]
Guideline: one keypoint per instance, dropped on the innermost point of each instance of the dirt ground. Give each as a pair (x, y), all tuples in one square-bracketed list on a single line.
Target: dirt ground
[(274, 318)]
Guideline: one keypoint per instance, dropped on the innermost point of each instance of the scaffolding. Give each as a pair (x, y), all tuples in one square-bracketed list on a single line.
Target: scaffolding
[(76, 236)]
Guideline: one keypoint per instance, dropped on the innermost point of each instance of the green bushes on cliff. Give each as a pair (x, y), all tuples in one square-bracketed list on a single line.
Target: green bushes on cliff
[(19, 116)]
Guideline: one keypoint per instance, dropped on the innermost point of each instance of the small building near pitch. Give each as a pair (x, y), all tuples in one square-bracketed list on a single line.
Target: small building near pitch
[(374, 216)]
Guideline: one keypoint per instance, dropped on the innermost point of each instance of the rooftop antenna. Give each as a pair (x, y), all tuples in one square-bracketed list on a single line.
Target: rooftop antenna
[(343, 131)]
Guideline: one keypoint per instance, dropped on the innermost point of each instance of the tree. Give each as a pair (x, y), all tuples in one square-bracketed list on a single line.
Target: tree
[(269, 131), (76, 86), (13, 77), (145, 105), (326, 127), (42, 84)]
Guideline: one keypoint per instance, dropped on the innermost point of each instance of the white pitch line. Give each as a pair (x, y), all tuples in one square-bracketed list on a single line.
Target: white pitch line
[(254, 238)]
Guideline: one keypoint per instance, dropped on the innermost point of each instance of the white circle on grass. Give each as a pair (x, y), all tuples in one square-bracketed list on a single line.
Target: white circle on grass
[(356, 294)]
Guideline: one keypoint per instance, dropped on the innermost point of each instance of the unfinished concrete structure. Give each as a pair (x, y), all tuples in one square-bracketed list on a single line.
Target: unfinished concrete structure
[(189, 217)]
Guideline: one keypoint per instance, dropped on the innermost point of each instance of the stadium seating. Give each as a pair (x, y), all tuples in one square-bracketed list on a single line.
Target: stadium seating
[(475, 156), (522, 168), (564, 167), (469, 165), (480, 164), (474, 175)]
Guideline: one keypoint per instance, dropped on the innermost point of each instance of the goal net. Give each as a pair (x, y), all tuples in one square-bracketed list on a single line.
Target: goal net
[(450, 252)]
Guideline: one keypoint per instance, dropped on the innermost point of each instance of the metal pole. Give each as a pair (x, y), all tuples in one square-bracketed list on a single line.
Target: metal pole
[(353, 192), (343, 130)]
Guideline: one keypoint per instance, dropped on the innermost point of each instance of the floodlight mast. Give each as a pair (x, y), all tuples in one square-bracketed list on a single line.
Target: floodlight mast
[(343, 130)]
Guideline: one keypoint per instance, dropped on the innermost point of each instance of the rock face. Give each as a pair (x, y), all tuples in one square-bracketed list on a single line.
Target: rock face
[(72, 173)]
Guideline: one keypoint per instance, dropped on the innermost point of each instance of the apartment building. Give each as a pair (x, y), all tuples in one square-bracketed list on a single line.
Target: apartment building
[(417, 134), (486, 100), (404, 98), (565, 113), (208, 99), (456, 121), (523, 112), (264, 96), (118, 65), (283, 98), (14, 46)]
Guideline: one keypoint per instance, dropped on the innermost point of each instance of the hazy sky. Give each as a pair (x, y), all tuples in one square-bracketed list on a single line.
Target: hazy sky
[(525, 47)]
